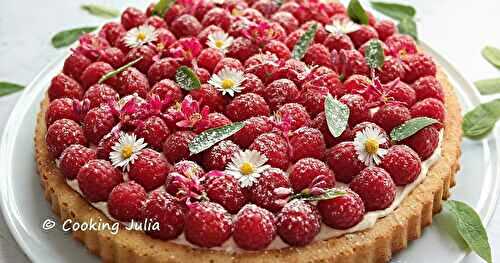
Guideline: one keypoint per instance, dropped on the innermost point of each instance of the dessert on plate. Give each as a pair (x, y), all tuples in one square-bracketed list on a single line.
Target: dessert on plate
[(248, 131)]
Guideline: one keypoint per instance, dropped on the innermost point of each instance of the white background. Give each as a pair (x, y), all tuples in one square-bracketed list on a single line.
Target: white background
[(456, 29)]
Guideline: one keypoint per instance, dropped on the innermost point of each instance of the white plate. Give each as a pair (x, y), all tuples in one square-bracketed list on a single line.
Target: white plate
[(25, 209)]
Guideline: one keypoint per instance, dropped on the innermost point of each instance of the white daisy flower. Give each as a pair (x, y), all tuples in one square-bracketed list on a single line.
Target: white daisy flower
[(126, 150), (228, 81), (367, 144), (219, 40), (218, 2), (140, 35), (247, 166), (342, 27)]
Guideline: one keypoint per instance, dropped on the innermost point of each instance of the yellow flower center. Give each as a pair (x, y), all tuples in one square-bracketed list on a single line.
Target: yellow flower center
[(219, 43), (141, 36), (371, 145), (236, 12), (227, 84), (246, 168), (127, 151), (195, 117)]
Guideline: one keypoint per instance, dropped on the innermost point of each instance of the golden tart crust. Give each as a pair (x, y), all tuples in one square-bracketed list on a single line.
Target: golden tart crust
[(377, 244)]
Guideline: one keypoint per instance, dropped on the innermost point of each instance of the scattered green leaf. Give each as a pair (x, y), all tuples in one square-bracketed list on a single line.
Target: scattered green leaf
[(488, 86), (118, 70), (492, 54), (480, 121), (394, 10), (374, 54), (299, 50), (7, 88), (187, 78), (101, 11), (68, 37), (337, 115), (162, 6), (411, 127), (408, 26), (210, 137), (470, 227), (357, 13), (328, 194)]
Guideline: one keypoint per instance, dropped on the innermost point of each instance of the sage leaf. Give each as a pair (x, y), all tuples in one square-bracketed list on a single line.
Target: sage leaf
[(411, 127), (374, 54), (100, 11), (299, 50), (357, 13), (337, 115), (162, 6), (480, 121), (118, 70), (470, 227), (408, 26), (7, 88), (394, 10), (68, 37), (187, 79), (492, 54), (488, 86), (212, 136), (327, 195)]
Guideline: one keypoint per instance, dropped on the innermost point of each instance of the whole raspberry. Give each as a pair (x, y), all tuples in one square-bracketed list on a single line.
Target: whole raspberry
[(162, 208), (358, 109), (113, 56), (298, 223), (73, 158), (165, 39), (278, 48), (391, 115), (371, 18), (61, 109), (173, 12), (209, 58), (203, 35), (385, 29), (252, 14), (167, 88), (280, 92), (263, 65), (207, 95), (132, 17), (226, 191), (317, 54), (402, 92), (207, 224), (424, 142), (185, 26), (361, 36), (126, 200), (402, 163), (391, 69), (401, 44), (298, 11), (254, 228), (156, 21), (254, 127), (428, 87), (245, 106), (431, 108), (286, 20), (274, 147), (343, 160), (93, 73), (98, 122), (385, 48), (320, 123), (105, 144), (262, 192), (330, 80), (203, 74), (252, 84), (307, 170), (349, 62), (202, 8), (185, 168), (133, 81), (149, 169), (111, 31), (215, 120), (147, 53), (357, 83), (63, 86), (75, 64), (338, 42), (97, 178), (242, 48), (293, 38), (313, 99), (267, 8), (362, 126), (375, 186), (307, 142), (63, 133), (231, 63), (98, 94), (176, 146), (217, 16), (154, 131), (219, 155), (91, 46), (419, 65), (321, 33), (342, 212), (297, 113)]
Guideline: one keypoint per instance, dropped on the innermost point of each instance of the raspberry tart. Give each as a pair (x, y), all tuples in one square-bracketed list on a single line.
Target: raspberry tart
[(248, 131)]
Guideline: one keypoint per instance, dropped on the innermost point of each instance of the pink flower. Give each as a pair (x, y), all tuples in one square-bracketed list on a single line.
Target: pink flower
[(260, 33), (186, 49), (377, 93), (136, 110), (284, 125), (191, 116)]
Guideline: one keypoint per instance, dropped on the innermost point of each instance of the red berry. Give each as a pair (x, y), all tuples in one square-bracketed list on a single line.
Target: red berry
[(274, 147), (338, 42), (254, 127), (400, 44), (97, 178), (99, 94), (63, 86), (419, 65), (391, 115), (105, 144), (299, 12), (307, 142), (294, 70), (228, 63), (61, 109), (207, 95), (385, 48), (357, 83), (111, 31), (361, 36), (391, 69), (402, 163), (293, 38), (91, 46), (267, 8), (187, 169), (147, 53), (126, 200), (132, 17), (165, 39), (424, 142), (402, 92), (185, 26), (307, 170), (162, 208), (252, 84), (385, 29), (113, 56), (133, 81), (254, 228), (98, 122), (93, 73), (280, 92), (330, 80), (245, 106), (375, 186), (317, 54), (215, 120), (207, 224), (63, 133), (203, 74), (209, 58), (321, 33), (320, 123), (431, 108), (428, 87), (154, 130), (349, 62), (176, 146), (262, 192), (298, 223), (156, 21), (286, 20), (343, 160), (297, 113), (217, 16), (263, 65), (75, 64), (73, 158), (150, 169), (226, 191), (219, 155), (173, 12), (167, 88), (242, 48), (313, 99), (358, 109), (342, 212), (278, 48)]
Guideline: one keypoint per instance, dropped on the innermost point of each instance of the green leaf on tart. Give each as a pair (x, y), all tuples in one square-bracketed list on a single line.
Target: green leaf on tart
[(68, 37), (299, 50), (7, 88), (470, 227), (327, 195), (492, 54), (408, 26), (394, 10), (480, 121), (162, 6), (187, 79), (374, 54), (357, 13), (118, 70), (411, 127), (337, 115), (488, 86), (100, 11), (212, 136)]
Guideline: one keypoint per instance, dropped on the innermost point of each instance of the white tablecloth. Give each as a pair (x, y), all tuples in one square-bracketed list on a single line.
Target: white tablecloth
[(456, 29)]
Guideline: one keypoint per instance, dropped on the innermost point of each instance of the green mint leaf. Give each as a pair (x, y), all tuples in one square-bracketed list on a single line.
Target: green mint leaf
[(327, 195), (357, 13), (299, 50), (162, 6), (470, 227), (374, 54), (118, 70), (480, 121), (337, 115), (488, 86), (411, 127), (68, 37), (210, 137), (394, 10), (101, 11), (7, 88), (187, 78), (492, 54), (408, 26)]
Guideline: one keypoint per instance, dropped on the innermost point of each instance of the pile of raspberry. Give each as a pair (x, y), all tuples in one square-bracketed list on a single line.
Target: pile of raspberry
[(80, 120)]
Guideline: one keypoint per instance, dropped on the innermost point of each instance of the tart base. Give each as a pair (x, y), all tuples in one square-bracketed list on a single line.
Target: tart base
[(377, 244)]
